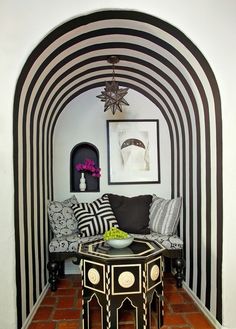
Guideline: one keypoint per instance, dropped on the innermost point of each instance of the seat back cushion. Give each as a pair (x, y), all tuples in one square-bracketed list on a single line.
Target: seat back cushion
[(164, 215), (132, 213), (61, 217), (94, 218)]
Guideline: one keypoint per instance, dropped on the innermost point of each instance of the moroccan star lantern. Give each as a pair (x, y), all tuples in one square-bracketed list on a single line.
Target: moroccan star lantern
[(113, 96)]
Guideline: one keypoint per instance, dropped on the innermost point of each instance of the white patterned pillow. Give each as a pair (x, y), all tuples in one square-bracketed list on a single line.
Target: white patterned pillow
[(94, 218), (164, 215), (61, 217)]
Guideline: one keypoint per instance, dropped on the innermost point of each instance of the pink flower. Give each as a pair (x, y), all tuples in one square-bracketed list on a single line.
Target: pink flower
[(89, 165)]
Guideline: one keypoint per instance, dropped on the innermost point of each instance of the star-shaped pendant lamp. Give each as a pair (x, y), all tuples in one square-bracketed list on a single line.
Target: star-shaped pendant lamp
[(113, 96)]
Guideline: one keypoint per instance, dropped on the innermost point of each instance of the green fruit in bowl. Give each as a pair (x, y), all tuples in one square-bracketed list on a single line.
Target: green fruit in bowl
[(115, 233)]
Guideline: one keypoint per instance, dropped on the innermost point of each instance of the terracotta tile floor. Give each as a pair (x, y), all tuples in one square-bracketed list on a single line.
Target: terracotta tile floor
[(62, 309)]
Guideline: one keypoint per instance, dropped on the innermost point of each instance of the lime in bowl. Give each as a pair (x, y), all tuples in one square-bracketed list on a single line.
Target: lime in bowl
[(117, 238), (120, 243)]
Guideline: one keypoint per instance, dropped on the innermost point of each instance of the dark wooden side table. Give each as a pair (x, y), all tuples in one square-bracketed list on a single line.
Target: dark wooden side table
[(117, 275)]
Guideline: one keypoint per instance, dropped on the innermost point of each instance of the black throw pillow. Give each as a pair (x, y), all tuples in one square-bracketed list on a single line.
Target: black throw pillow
[(132, 213)]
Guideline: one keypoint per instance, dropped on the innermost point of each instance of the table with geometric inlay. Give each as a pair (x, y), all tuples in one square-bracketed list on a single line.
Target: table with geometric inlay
[(116, 276)]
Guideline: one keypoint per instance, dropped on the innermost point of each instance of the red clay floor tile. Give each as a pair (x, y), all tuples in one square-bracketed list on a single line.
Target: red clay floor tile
[(63, 314), (198, 321), (174, 298), (43, 313), (76, 283), (64, 283), (184, 308), (186, 297), (42, 325), (170, 287), (48, 300), (65, 302), (68, 325), (64, 292), (173, 319), (62, 309)]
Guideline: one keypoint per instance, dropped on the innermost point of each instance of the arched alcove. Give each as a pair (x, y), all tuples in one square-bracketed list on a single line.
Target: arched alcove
[(162, 64), (79, 154)]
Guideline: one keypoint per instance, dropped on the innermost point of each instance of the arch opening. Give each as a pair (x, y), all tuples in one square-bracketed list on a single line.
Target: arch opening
[(159, 62)]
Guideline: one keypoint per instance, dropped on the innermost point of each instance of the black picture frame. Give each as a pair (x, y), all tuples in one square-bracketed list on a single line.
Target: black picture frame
[(133, 151)]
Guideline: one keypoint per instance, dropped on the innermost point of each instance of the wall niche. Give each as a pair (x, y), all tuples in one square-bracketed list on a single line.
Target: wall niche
[(78, 154)]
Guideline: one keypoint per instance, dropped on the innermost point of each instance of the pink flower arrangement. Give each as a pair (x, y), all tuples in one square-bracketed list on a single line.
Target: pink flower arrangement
[(89, 165)]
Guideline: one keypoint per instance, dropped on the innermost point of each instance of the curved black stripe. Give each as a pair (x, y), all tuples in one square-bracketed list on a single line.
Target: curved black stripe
[(219, 170), (16, 214), (19, 276), (208, 191), (32, 221), (39, 210), (25, 224)]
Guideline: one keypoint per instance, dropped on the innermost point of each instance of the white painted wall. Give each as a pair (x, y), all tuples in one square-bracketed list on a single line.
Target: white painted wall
[(84, 120), (210, 24)]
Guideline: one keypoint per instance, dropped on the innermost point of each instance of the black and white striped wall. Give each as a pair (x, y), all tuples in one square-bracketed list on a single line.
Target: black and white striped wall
[(162, 64)]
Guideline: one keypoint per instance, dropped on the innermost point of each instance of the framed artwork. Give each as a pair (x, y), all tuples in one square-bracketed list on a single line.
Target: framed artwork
[(133, 151)]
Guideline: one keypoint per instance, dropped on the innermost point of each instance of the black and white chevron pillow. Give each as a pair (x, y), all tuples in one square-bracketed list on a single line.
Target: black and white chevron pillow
[(94, 218)]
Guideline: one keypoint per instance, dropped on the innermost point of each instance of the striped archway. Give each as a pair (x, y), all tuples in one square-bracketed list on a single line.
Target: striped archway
[(159, 62)]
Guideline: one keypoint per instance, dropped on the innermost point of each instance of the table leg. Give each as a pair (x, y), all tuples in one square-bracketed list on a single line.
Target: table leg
[(113, 319)]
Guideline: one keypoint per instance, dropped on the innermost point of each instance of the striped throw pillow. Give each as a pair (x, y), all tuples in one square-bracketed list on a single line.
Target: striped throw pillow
[(94, 218), (164, 215)]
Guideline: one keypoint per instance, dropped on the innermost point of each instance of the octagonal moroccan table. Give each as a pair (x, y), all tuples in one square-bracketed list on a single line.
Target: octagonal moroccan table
[(115, 276)]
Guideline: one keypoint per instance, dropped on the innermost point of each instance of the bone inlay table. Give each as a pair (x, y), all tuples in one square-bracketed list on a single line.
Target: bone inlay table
[(117, 276)]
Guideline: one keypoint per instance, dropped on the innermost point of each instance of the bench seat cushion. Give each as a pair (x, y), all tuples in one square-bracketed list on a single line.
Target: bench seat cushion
[(70, 243)]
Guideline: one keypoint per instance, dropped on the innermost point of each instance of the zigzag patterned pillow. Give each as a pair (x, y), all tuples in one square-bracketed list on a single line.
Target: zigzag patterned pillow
[(94, 218)]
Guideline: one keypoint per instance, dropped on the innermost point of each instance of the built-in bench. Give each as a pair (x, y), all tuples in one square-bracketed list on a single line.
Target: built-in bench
[(66, 220)]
